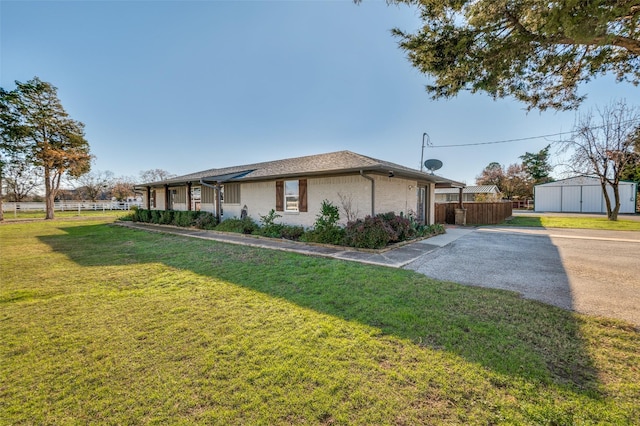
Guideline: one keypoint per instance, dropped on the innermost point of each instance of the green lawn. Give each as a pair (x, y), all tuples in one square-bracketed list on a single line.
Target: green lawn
[(575, 222), (103, 324)]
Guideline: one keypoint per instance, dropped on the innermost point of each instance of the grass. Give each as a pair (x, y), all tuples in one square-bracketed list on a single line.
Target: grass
[(576, 222), (103, 324)]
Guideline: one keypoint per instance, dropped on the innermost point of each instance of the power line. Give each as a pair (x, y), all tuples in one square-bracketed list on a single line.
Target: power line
[(503, 141), (523, 139)]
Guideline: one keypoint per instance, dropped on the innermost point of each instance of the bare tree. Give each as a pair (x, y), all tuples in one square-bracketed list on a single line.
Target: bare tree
[(155, 175), (602, 147), (123, 188), (93, 184), (351, 212), (21, 178)]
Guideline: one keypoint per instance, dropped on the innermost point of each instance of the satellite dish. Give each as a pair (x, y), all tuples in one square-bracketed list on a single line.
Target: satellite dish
[(433, 165)]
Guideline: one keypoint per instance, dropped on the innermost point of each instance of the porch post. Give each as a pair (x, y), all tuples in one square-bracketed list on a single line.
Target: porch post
[(188, 195), (166, 197), (218, 203), (148, 198)]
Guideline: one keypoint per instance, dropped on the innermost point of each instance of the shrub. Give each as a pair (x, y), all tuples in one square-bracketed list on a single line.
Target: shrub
[(435, 229), (370, 232), (166, 217), (155, 216), (402, 227), (326, 229), (185, 218), (240, 226), (269, 228), (290, 232), (205, 220), (142, 215)]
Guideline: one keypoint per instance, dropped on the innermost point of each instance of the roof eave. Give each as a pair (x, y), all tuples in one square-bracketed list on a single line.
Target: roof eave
[(382, 169)]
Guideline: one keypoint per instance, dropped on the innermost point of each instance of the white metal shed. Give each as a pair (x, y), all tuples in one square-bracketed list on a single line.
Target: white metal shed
[(582, 195)]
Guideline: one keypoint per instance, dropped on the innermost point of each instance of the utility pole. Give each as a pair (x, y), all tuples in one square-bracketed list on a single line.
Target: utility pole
[(422, 155)]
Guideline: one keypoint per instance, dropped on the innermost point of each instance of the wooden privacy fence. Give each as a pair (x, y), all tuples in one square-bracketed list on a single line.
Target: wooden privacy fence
[(477, 213)]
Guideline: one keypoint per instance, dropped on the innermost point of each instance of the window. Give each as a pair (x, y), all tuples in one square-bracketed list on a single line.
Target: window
[(232, 193), (153, 199), (291, 195), (196, 195)]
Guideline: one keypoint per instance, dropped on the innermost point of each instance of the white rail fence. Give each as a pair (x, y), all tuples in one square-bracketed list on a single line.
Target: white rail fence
[(61, 206)]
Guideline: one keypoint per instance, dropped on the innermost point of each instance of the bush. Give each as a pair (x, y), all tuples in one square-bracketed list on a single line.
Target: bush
[(370, 232), (269, 228), (142, 215), (291, 232), (205, 220), (185, 218), (166, 217), (240, 226), (326, 229), (435, 229), (404, 228), (155, 216)]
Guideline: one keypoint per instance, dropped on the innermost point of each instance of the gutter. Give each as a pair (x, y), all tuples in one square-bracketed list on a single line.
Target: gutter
[(373, 192)]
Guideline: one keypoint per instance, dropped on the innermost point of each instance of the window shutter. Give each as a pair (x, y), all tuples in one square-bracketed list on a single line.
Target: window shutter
[(279, 195), (302, 200)]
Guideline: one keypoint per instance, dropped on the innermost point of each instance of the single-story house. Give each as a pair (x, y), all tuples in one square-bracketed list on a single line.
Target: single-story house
[(469, 194), (582, 194), (296, 187)]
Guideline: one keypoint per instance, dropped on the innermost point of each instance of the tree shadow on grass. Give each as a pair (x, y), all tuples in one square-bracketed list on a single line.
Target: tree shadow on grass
[(494, 328)]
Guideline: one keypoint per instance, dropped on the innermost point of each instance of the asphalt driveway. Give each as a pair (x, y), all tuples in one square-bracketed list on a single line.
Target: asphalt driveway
[(589, 271)]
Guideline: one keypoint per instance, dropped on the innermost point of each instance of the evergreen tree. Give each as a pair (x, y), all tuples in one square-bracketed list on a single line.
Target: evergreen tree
[(537, 166), (34, 121), (536, 51)]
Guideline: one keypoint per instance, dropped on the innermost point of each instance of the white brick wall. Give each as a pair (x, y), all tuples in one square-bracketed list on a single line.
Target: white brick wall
[(391, 195)]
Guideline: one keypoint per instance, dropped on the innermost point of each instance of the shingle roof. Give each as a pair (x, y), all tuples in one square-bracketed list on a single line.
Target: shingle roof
[(333, 162)]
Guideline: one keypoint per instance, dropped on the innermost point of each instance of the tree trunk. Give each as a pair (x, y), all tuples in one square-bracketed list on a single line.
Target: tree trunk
[(612, 213), (49, 195), (1, 209), (605, 194), (50, 202), (616, 197)]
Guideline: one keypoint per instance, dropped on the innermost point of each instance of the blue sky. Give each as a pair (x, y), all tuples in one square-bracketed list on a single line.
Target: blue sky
[(192, 85)]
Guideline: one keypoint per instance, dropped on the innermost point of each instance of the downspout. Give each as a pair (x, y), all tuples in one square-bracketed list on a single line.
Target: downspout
[(217, 189), (373, 192)]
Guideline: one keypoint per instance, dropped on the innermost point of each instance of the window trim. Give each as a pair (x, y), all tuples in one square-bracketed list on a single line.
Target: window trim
[(302, 196), (295, 198)]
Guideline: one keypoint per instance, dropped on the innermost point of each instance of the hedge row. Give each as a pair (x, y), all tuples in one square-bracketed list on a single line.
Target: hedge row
[(198, 219), (372, 232)]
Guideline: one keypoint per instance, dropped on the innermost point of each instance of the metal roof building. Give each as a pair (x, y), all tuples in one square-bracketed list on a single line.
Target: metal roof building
[(582, 194)]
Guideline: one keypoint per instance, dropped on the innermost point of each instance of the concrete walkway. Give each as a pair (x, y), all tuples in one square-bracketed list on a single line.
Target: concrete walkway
[(394, 257)]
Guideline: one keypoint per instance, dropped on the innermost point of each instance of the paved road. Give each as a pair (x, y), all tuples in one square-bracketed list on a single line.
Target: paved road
[(589, 271)]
